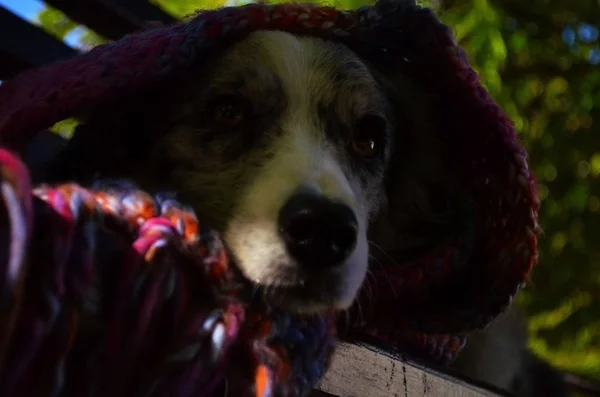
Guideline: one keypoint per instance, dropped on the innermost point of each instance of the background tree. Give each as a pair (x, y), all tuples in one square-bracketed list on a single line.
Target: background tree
[(540, 60)]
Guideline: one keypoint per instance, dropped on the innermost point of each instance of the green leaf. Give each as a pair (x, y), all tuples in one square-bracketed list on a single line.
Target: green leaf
[(55, 22)]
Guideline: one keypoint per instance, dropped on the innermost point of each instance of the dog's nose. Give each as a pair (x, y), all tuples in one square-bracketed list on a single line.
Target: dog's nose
[(318, 231)]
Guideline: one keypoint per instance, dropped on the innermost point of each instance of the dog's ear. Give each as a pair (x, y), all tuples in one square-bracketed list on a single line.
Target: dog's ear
[(417, 210)]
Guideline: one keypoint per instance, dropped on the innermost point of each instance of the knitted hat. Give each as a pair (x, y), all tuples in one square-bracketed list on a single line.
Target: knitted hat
[(419, 307)]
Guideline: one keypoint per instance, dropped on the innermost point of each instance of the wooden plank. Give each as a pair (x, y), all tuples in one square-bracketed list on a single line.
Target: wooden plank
[(112, 19), (582, 386), (11, 65), (24, 46), (361, 371), (143, 10)]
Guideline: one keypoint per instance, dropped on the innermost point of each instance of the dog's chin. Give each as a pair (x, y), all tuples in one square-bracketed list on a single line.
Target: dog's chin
[(281, 283), (318, 294)]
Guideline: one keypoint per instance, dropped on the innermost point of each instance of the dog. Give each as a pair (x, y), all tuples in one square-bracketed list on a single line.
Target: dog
[(296, 150)]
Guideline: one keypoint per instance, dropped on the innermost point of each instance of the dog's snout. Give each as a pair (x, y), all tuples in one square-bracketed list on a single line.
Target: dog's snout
[(318, 231)]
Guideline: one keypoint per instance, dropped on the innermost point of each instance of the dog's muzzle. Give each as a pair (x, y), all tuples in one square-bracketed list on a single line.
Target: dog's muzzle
[(317, 231)]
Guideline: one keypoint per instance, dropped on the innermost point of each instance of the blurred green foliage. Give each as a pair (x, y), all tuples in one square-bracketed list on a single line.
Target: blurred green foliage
[(540, 59)]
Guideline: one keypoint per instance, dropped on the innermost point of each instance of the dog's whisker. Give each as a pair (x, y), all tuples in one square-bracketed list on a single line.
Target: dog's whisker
[(370, 281), (360, 315), (385, 274), (344, 316), (384, 252), (367, 289), (255, 290)]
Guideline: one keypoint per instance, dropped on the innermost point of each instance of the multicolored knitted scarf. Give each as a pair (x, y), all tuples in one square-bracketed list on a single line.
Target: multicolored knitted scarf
[(108, 291)]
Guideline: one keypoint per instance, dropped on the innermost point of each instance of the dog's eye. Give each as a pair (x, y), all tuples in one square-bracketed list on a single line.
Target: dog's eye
[(229, 110), (369, 137)]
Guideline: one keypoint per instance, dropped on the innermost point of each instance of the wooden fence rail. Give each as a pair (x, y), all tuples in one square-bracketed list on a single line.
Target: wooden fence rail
[(361, 371), (112, 18), (24, 46)]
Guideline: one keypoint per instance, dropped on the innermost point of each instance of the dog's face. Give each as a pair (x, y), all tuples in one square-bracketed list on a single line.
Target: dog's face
[(283, 144), (288, 156)]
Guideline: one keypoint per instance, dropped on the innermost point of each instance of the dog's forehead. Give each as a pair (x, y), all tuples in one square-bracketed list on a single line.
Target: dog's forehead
[(305, 69)]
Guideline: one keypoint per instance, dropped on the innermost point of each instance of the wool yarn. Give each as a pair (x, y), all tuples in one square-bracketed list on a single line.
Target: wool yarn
[(110, 291)]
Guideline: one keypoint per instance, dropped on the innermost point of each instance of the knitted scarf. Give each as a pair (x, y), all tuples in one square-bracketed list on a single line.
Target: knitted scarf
[(109, 291)]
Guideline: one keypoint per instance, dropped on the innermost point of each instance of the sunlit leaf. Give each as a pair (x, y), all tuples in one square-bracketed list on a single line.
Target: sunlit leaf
[(498, 45), (65, 128), (595, 164), (56, 22)]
